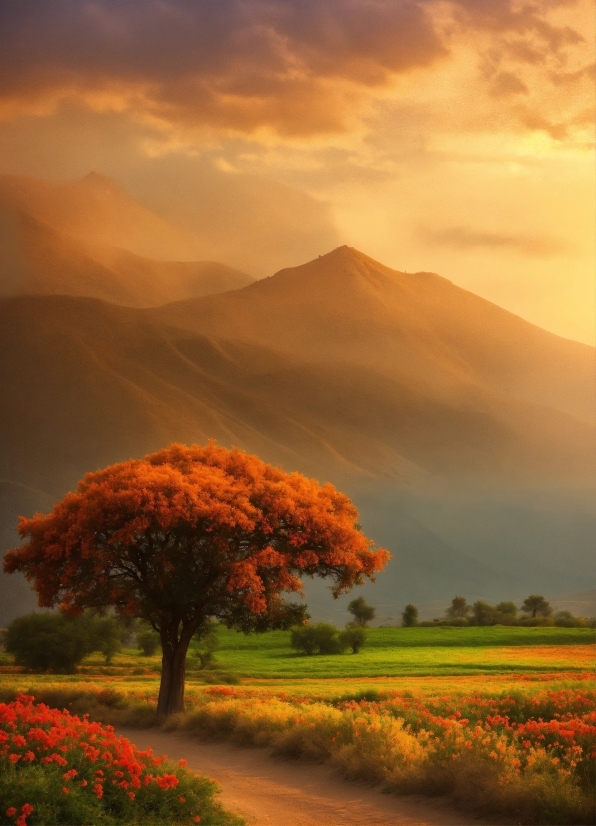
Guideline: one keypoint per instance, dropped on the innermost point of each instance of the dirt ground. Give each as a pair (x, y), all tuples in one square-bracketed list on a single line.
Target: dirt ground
[(268, 791)]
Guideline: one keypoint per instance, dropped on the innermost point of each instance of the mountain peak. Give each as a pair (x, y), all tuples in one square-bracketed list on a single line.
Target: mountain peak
[(98, 181)]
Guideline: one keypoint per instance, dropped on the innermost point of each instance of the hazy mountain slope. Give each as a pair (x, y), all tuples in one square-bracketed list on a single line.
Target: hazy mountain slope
[(87, 383), (16, 597), (345, 306), (36, 259), (97, 211)]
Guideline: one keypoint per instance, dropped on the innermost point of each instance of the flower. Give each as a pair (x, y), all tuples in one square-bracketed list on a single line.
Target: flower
[(11, 811)]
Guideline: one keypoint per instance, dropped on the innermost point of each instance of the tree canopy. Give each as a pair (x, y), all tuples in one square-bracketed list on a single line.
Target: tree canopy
[(362, 612), (188, 534)]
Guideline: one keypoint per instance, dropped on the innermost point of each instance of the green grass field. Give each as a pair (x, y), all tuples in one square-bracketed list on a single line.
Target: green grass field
[(390, 653)]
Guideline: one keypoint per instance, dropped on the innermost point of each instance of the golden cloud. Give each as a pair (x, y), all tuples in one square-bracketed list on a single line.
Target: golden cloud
[(294, 67)]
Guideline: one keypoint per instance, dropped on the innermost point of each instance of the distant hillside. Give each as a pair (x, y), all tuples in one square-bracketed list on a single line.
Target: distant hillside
[(404, 390), (36, 258), (95, 210), (418, 327)]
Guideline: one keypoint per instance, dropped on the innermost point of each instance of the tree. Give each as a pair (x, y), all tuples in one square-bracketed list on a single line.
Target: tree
[(484, 614), (409, 617), (506, 612), (190, 534), (459, 608), (362, 612), (353, 636), (536, 605)]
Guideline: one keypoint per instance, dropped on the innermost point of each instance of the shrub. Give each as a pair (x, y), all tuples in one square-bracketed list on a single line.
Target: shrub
[(147, 643), (49, 642), (207, 645), (55, 642), (106, 633), (354, 637), (59, 769), (321, 638)]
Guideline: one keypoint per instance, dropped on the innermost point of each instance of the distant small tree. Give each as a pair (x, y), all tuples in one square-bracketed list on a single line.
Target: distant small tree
[(148, 642), (506, 612), (459, 608), (107, 636), (362, 612), (208, 644), (565, 619), (409, 616), (354, 637), (536, 606), (483, 613)]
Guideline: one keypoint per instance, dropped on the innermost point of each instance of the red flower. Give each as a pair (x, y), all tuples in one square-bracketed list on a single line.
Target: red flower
[(11, 812), (167, 781)]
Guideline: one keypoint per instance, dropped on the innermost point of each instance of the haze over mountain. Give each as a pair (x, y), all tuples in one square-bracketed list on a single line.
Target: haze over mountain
[(394, 386), (38, 257)]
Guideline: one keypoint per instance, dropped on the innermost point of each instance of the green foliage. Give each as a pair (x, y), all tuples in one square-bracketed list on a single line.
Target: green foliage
[(55, 642), (207, 645), (536, 606), (321, 638), (354, 637), (459, 608), (147, 642), (107, 635), (506, 611), (409, 617), (483, 613), (362, 612)]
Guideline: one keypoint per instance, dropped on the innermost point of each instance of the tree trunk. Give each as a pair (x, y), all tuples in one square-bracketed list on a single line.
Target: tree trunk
[(173, 672)]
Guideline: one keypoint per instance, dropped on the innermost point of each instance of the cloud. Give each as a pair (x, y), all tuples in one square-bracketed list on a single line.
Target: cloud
[(297, 68), (465, 238)]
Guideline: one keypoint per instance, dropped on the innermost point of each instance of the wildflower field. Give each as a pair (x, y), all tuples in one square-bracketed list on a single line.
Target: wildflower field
[(502, 720)]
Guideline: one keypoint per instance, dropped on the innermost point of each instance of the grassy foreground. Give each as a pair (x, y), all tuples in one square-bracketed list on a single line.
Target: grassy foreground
[(502, 720)]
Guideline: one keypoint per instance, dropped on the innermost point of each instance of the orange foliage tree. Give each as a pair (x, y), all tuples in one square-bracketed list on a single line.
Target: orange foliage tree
[(188, 534)]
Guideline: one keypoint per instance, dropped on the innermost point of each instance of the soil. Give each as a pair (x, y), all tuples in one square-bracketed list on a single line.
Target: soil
[(270, 791)]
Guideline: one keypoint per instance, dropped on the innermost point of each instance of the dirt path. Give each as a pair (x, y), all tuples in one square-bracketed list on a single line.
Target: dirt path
[(272, 792)]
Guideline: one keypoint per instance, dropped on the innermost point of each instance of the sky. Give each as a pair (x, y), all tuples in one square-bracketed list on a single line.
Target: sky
[(453, 136)]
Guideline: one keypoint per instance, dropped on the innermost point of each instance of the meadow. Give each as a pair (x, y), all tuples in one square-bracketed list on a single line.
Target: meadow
[(500, 719)]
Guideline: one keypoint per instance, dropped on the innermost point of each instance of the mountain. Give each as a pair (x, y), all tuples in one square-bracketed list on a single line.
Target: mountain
[(346, 307), (402, 389), (37, 258), (95, 210)]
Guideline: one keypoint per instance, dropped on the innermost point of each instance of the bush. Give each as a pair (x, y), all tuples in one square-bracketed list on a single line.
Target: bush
[(55, 642), (49, 642), (354, 637), (147, 643), (207, 645), (59, 769), (321, 638)]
